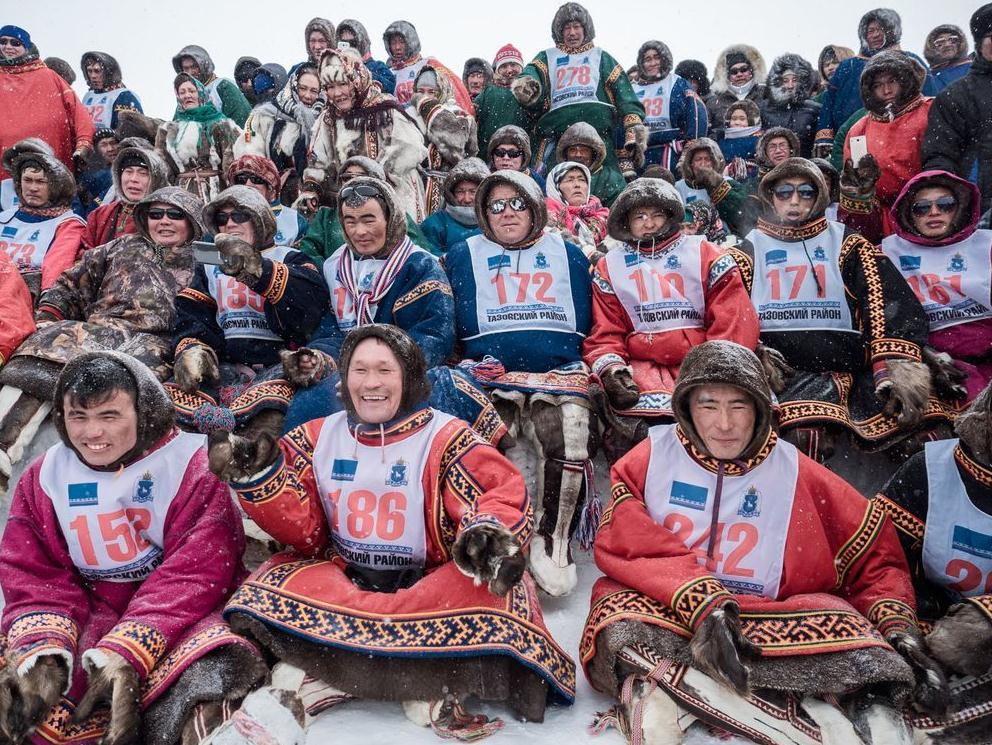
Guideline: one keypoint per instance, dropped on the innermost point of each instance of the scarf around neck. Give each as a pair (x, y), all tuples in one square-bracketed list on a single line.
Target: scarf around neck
[(381, 283)]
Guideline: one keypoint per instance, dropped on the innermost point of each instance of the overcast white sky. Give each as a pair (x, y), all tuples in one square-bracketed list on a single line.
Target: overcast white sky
[(144, 36)]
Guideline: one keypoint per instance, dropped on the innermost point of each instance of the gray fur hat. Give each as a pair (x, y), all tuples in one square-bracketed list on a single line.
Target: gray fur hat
[(477, 64), (323, 26), (770, 134), (395, 215), (156, 413), (582, 133), (795, 168), (362, 40), (202, 58), (63, 68), (468, 169), (142, 152), (666, 60), (691, 148), (510, 134), (645, 192), (111, 68), (173, 196), (409, 33), (899, 65), (527, 188), (723, 362), (244, 68), (807, 78), (890, 22), (566, 14), (930, 51), (38, 154), (249, 200), (371, 167)]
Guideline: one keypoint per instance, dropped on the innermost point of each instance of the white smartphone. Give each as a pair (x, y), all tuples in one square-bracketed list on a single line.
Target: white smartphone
[(859, 149), (206, 253)]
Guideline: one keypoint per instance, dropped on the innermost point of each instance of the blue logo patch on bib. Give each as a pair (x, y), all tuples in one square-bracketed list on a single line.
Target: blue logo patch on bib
[(749, 507), (397, 474), (496, 262), (278, 236), (909, 263), (144, 488), (83, 495), (957, 264), (10, 232), (562, 60), (972, 542), (630, 259), (344, 470), (819, 254), (672, 262), (34, 235), (689, 495), (776, 256), (640, 93), (540, 261)]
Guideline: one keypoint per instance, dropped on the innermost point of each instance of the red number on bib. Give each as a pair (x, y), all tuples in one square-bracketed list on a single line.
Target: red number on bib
[(404, 91), (743, 535), (123, 533), (342, 302), (746, 537), (21, 254), (542, 280), (96, 112), (391, 520), (969, 576), (798, 272), (361, 521), (933, 288), (81, 527), (654, 106), (367, 514)]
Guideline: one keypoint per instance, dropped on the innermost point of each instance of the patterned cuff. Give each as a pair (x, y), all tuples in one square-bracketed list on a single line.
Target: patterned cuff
[(898, 349), (824, 136), (35, 634), (696, 599), (607, 362), (473, 520), (51, 309), (892, 615), (857, 206), (274, 286), (632, 120), (984, 603), (720, 192), (138, 643)]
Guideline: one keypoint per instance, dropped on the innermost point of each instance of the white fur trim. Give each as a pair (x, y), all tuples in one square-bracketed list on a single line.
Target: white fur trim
[(660, 720), (8, 397), (95, 659), (608, 362), (887, 726), (287, 677), (555, 580), (28, 662), (835, 728), (418, 712), (6, 467), (27, 433)]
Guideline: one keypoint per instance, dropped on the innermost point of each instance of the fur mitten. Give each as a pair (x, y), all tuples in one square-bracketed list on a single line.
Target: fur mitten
[(112, 680), (823, 150), (932, 694), (858, 182), (777, 370), (195, 365), (961, 641), (620, 388), (488, 552), (239, 259), (636, 143), (707, 178), (526, 90), (450, 132), (26, 699), (239, 457), (948, 380), (905, 390), (304, 366), (719, 646)]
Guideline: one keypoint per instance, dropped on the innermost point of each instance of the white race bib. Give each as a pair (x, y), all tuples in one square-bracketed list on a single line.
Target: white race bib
[(957, 544), (375, 508), (953, 283), (527, 289), (101, 106), (405, 77), (661, 293), (574, 77), (241, 310), (657, 101), (690, 195), (114, 522), (8, 195), (26, 243), (798, 286), (755, 511), (287, 226), (214, 94)]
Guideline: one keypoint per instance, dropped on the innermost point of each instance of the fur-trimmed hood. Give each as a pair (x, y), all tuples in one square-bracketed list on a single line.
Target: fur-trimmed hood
[(371, 167), (723, 362), (807, 79), (63, 68), (795, 167), (968, 196), (974, 427), (468, 169), (770, 134), (643, 192), (202, 58), (750, 108), (693, 146), (416, 384), (33, 151), (566, 14), (830, 53), (903, 68), (582, 133), (693, 69), (249, 200), (395, 215), (889, 20), (666, 60), (831, 175), (156, 413), (477, 64), (362, 39), (111, 69), (244, 68), (930, 51), (720, 82), (510, 134), (409, 33), (325, 27), (158, 169), (173, 196), (527, 188)]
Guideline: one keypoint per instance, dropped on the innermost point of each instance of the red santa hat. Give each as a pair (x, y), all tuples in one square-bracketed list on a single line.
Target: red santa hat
[(508, 53)]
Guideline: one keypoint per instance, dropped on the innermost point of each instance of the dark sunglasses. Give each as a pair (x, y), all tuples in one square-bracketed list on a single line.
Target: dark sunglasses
[(249, 178), (785, 191), (358, 193), (507, 152), (739, 70), (173, 213), (945, 205), (10, 41), (517, 204), (239, 216)]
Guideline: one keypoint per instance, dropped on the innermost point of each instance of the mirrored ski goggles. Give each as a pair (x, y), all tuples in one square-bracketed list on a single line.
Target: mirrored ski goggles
[(173, 213), (944, 205), (507, 152), (359, 193), (517, 204), (784, 192), (238, 216)]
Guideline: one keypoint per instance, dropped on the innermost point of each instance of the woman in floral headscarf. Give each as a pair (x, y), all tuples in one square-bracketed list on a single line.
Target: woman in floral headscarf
[(361, 120)]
